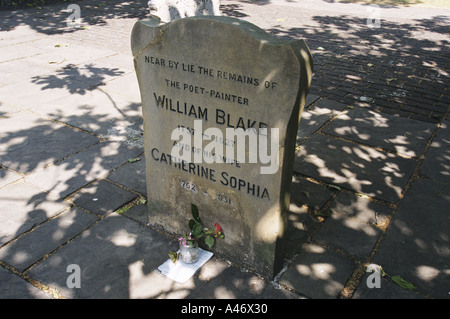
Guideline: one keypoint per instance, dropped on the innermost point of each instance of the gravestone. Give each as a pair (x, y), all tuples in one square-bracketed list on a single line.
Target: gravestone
[(221, 103)]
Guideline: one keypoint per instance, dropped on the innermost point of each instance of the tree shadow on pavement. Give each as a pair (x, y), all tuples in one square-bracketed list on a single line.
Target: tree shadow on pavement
[(45, 228), (71, 76), (118, 254), (51, 161), (52, 19), (393, 68), (397, 68)]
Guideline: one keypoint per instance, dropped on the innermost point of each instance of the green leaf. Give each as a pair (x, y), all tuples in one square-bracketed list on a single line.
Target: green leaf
[(197, 230), (132, 160), (174, 256), (209, 241), (194, 211), (403, 283), (191, 224)]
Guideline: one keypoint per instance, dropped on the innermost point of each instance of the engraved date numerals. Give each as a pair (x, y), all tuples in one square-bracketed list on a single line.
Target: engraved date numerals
[(189, 186)]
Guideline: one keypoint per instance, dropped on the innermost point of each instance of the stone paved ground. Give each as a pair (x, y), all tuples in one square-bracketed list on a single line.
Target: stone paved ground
[(370, 181), (399, 68)]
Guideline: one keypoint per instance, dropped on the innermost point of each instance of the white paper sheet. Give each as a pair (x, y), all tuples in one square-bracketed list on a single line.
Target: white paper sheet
[(180, 271)]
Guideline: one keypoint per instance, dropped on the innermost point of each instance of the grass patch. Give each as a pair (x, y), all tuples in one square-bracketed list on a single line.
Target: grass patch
[(138, 201)]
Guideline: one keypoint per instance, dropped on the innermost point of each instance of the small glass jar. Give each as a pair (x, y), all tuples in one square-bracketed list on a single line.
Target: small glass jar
[(189, 252)]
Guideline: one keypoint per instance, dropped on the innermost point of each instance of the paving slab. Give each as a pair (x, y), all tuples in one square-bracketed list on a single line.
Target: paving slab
[(436, 163), (307, 198), (58, 49), (354, 166), (95, 111), (39, 90), (37, 142), (102, 197), (128, 132), (300, 226), (28, 249), (417, 244), (316, 116), (124, 61), (131, 175), (6, 109), (21, 34), (8, 176), (307, 193), (352, 236), (18, 288), (138, 212), (310, 99), (318, 273), (397, 134), (126, 85), (82, 168), (69, 76), (18, 51), (13, 71), (361, 208), (105, 254), (22, 207), (50, 42)]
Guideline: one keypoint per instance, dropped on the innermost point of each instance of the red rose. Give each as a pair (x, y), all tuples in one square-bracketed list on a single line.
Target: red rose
[(218, 229)]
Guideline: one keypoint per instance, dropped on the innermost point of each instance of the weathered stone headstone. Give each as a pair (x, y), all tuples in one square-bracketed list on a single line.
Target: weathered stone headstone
[(218, 89)]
